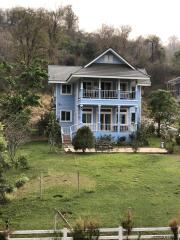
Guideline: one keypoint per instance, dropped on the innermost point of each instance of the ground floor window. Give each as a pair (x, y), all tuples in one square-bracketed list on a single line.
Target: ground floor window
[(133, 117), (87, 115), (66, 116), (123, 116)]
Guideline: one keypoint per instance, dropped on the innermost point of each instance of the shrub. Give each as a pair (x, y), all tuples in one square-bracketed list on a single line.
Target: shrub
[(53, 132), (22, 162), (121, 141), (9, 189), (84, 139), (170, 146), (140, 137), (173, 224), (43, 123), (178, 139), (86, 230), (20, 182), (127, 223), (105, 142), (3, 236)]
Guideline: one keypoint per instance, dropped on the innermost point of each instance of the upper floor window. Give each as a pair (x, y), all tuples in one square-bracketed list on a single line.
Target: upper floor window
[(66, 89)]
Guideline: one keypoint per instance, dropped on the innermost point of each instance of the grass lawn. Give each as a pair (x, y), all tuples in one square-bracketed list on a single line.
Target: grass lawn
[(149, 184)]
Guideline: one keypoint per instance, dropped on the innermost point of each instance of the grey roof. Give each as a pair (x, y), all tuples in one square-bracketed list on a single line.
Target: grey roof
[(174, 81), (111, 70), (61, 73), (64, 74)]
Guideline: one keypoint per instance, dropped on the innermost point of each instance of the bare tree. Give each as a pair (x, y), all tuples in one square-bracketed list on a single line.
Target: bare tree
[(16, 133)]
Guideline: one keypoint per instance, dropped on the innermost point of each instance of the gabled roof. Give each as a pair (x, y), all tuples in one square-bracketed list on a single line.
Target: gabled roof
[(121, 69), (114, 53), (61, 73)]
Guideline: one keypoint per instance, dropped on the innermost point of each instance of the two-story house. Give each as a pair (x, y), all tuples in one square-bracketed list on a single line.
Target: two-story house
[(104, 95)]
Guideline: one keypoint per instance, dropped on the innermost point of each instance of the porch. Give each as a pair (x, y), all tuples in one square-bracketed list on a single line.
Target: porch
[(116, 121)]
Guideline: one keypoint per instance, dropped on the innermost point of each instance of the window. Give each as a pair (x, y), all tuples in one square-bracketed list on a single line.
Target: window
[(133, 117), (123, 116), (87, 116), (66, 116), (66, 89)]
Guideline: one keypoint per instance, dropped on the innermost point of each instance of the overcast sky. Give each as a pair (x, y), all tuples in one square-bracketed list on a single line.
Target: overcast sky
[(160, 17)]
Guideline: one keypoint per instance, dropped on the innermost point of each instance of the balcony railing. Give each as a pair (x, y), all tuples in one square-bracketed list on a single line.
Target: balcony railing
[(108, 94), (104, 127)]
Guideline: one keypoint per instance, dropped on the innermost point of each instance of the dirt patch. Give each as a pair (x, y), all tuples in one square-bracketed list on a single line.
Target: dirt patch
[(51, 181)]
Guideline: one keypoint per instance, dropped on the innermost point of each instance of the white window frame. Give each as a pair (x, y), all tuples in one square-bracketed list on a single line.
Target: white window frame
[(67, 94), (85, 111), (66, 110), (126, 113)]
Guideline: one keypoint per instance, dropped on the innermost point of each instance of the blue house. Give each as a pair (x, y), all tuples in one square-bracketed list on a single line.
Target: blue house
[(104, 95)]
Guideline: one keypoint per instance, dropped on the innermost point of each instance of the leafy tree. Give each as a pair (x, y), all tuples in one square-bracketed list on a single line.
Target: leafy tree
[(22, 84), (3, 167), (163, 108), (84, 139), (54, 132)]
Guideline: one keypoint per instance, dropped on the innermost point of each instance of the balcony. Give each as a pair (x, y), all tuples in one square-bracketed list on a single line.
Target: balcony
[(108, 94)]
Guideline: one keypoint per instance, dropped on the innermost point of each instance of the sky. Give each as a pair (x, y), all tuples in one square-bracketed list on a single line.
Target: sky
[(160, 17)]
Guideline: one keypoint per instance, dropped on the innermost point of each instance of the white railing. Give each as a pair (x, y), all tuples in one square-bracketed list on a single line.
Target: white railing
[(65, 131), (90, 93), (127, 95), (108, 94), (105, 234), (104, 127)]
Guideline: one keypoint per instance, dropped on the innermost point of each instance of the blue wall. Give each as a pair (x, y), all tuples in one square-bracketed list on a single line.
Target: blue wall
[(64, 102), (67, 102)]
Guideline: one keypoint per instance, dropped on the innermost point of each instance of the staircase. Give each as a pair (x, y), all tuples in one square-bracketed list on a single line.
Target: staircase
[(66, 139)]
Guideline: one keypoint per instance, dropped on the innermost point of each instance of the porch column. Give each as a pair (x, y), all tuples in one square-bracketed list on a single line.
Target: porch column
[(119, 118), (81, 112), (136, 117), (119, 88), (99, 117), (81, 89), (99, 88)]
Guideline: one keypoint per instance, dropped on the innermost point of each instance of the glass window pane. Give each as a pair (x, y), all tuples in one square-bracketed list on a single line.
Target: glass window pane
[(68, 116), (63, 116), (88, 118), (84, 118), (64, 88), (133, 117), (68, 89)]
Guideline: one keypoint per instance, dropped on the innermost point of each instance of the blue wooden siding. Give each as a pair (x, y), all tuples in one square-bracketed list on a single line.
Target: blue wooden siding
[(64, 102), (74, 101)]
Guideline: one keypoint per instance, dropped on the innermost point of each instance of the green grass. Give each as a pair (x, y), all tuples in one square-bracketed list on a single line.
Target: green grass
[(149, 184)]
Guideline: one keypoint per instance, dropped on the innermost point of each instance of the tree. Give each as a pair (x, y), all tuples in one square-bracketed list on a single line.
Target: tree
[(22, 84), (163, 108), (3, 167), (54, 132), (16, 133), (84, 139)]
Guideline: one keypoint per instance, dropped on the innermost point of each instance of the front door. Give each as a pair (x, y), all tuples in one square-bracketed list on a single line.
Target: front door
[(106, 121)]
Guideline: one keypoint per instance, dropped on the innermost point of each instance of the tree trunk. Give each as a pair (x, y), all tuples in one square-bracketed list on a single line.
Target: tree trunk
[(159, 128)]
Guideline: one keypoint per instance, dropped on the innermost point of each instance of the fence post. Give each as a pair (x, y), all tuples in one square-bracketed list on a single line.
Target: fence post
[(120, 237), (65, 233)]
